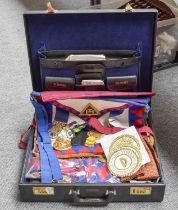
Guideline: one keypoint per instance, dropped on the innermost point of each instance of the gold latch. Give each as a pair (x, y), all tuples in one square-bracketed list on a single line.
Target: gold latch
[(43, 191), (140, 190)]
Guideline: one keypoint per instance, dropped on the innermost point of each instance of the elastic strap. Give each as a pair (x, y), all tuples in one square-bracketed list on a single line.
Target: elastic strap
[(113, 63)]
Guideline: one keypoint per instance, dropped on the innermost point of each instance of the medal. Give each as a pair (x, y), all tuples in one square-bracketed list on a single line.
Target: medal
[(125, 140), (90, 141), (66, 179), (65, 133), (95, 134), (125, 162), (124, 156), (78, 128), (62, 144), (56, 127)]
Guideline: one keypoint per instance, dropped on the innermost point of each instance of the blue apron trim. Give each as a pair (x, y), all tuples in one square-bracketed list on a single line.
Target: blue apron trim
[(42, 123), (46, 175)]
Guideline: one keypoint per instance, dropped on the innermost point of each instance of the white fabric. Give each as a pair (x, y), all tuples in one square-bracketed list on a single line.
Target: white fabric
[(121, 120), (73, 118), (80, 104), (86, 57), (107, 140)]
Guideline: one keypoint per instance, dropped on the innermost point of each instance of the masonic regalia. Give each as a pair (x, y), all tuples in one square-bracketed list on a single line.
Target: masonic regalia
[(92, 140)]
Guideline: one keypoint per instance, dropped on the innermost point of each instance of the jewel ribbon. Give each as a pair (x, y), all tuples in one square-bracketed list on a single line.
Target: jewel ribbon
[(95, 123)]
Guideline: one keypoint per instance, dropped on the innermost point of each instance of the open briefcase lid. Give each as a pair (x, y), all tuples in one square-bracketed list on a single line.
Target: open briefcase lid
[(92, 30)]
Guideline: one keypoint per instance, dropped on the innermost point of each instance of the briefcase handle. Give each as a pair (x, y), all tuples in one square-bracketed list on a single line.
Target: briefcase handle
[(81, 201)]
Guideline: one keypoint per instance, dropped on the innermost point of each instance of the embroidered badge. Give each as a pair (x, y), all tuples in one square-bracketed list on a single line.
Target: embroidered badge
[(89, 110)]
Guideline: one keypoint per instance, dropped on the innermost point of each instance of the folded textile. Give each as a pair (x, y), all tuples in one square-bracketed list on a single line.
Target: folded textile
[(89, 170), (59, 120)]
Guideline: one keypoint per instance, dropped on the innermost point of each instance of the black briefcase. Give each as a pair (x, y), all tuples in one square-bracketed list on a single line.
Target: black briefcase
[(127, 41)]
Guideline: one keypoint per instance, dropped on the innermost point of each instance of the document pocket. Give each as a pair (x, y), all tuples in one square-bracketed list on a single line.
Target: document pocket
[(90, 70)]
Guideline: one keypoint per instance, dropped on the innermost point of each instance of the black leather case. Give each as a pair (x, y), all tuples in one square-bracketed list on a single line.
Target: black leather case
[(91, 30)]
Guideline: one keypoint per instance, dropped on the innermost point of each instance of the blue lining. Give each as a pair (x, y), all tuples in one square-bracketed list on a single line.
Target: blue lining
[(92, 31)]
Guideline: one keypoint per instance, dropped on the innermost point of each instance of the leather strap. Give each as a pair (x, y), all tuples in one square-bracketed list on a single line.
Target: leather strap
[(115, 63), (109, 53), (114, 58), (45, 145)]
